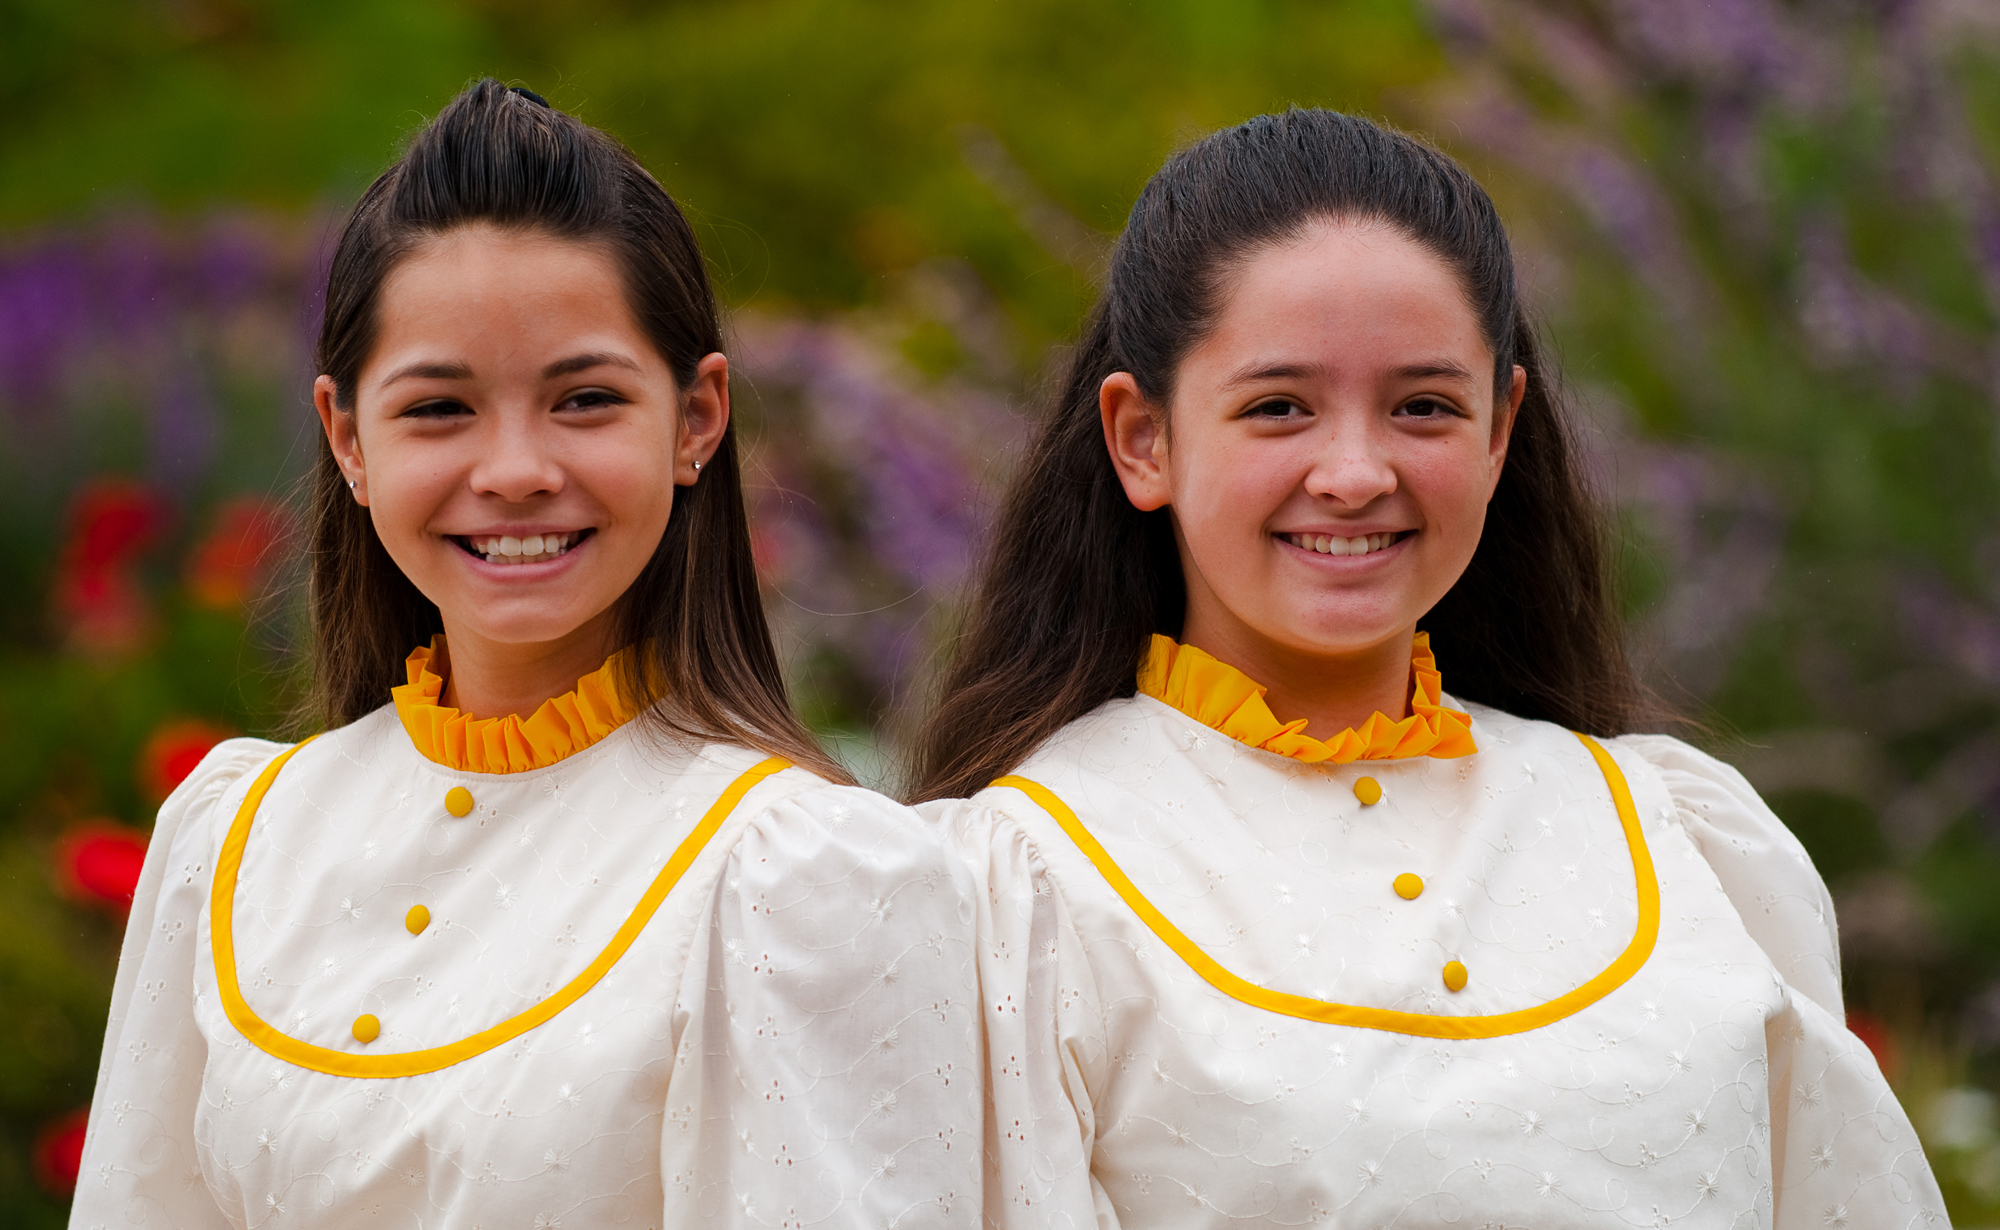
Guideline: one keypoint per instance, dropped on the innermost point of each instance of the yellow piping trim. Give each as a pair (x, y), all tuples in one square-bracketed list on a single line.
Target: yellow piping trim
[(1423, 1026), (416, 1063)]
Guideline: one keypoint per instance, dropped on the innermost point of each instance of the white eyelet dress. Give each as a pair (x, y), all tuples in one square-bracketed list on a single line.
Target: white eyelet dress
[(536, 999), (1221, 989)]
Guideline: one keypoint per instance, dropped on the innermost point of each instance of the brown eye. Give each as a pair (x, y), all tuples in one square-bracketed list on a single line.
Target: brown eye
[(1276, 408), (436, 410), (1426, 408), (591, 400)]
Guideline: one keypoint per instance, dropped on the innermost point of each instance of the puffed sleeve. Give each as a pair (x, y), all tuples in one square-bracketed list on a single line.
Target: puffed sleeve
[(1767, 874), (1843, 1152), (139, 1166), (828, 1067), (1045, 1033)]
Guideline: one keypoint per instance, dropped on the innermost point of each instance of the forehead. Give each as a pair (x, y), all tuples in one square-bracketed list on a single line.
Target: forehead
[(480, 287), (1357, 295)]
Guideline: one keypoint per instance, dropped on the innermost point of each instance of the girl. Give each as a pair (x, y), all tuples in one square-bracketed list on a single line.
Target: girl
[(1277, 930), (562, 923)]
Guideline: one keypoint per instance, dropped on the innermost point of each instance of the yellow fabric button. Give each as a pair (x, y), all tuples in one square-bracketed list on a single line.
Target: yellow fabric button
[(366, 1028), (1408, 885), (458, 801), (1368, 790), (1454, 976), (417, 919)]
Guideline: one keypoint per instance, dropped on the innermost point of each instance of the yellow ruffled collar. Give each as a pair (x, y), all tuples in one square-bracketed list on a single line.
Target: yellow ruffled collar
[(562, 727), (1223, 698)]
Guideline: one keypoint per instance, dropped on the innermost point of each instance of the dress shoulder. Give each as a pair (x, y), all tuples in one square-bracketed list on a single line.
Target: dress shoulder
[(225, 764), (1766, 872)]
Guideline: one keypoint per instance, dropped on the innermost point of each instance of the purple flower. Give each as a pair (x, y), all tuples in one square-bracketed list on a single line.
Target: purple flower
[(44, 322)]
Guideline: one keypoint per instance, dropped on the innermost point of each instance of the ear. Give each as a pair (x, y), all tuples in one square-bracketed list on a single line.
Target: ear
[(1503, 428), (1138, 444), (341, 436), (704, 418)]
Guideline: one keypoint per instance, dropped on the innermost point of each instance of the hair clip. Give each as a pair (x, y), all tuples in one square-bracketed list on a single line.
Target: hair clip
[(530, 95)]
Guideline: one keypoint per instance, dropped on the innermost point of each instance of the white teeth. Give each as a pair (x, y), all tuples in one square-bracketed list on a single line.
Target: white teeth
[(532, 549), (1333, 544)]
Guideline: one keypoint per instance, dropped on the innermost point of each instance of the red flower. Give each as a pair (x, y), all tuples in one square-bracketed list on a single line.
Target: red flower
[(229, 564), (110, 522), (59, 1152), (98, 599), (100, 863), (171, 753), (1878, 1038)]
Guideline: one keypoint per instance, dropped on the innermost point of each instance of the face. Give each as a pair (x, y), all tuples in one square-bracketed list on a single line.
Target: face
[(1330, 448), (516, 438)]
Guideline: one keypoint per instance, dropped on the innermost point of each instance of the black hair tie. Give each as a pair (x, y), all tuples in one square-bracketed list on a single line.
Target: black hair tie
[(530, 95)]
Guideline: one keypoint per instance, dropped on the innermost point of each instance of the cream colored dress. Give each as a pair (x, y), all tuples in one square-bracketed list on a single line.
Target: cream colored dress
[(1210, 1002), (785, 1036)]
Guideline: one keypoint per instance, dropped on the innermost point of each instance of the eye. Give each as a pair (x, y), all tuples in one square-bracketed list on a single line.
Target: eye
[(444, 408), (1428, 408), (1276, 408), (591, 399)]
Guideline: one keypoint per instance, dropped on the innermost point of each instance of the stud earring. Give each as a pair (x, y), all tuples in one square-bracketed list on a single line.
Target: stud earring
[(697, 467), (350, 484)]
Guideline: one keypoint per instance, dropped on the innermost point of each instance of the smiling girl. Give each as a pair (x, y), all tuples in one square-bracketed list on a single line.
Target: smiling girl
[(561, 923), (1276, 929)]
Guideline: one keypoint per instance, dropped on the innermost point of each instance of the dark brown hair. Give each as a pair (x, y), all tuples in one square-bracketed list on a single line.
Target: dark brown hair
[(1077, 580), (693, 616)]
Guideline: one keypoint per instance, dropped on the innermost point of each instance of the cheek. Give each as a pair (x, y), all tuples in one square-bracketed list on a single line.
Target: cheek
[(1451, 487), (635, 486), (405, 491), (1229, 496)]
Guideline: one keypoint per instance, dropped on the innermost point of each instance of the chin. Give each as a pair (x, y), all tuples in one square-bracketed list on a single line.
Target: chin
[(1341, 636), (534, 631)]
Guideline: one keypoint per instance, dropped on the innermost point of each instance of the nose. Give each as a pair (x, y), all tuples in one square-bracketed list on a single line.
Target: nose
[(1352, 467), (518, 462)]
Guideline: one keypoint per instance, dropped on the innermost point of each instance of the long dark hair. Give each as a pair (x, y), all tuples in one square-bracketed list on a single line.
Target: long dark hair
[(1077, 580), (693, 617)]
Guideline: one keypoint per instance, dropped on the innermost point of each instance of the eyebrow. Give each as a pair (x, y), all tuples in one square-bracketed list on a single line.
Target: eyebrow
[(1275, 371), (1434, 368), (463, 371), (584, 362), (428, 371), (1430, 369)]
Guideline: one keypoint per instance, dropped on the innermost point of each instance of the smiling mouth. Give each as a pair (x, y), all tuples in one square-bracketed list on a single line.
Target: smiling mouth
[(1333, 544), (528, 549)]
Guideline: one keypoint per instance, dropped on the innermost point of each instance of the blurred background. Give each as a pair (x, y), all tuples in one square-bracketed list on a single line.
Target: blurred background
[(1763, 235)]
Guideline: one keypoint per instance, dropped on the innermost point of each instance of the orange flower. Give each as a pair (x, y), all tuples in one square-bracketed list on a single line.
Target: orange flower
[(1877, 1037), (229, 565), (171, 753), (99, 863)]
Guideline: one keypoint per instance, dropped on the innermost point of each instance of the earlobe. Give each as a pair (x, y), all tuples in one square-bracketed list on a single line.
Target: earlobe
[(341, 437), (1136, 442)]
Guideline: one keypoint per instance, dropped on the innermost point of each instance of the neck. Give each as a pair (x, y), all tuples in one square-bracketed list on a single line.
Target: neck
[(1332, 692), (490, 679)]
